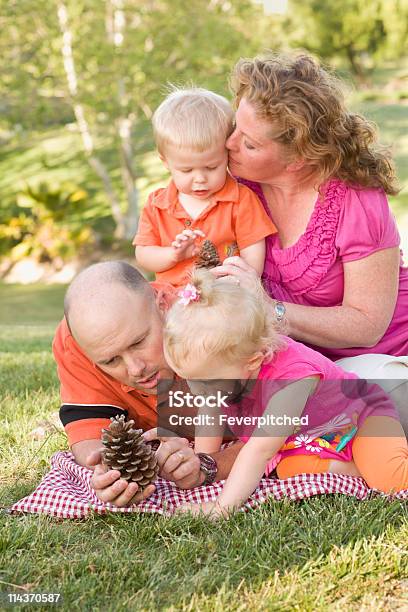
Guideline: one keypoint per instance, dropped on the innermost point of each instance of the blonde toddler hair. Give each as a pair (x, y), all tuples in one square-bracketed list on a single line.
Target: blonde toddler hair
[(227, 320), (192, 118)]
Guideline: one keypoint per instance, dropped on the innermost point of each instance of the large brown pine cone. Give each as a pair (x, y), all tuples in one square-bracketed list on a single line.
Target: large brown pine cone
[(125, 450)]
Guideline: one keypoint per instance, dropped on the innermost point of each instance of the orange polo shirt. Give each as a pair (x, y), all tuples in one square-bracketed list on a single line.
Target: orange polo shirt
[(90, 396), (234, 220)]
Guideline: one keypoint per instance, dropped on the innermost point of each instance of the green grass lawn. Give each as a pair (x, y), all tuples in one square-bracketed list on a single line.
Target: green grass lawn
[(326, 553)]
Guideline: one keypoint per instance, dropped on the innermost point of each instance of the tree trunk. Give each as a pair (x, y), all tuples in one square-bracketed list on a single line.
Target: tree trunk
[(128, 176), (78, 109), (115, 25), (356, 65)]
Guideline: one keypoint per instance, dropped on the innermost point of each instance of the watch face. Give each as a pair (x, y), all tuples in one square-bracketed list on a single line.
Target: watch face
[(280, 310), (208, 465)]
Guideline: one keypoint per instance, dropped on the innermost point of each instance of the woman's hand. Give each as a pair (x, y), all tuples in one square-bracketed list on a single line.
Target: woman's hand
[(239, 271)]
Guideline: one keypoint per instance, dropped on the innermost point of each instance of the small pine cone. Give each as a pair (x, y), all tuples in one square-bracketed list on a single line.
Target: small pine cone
[(208, 256), (125, 450)]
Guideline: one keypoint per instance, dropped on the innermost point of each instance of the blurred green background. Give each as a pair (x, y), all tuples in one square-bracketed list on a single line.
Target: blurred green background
[(79, 81)]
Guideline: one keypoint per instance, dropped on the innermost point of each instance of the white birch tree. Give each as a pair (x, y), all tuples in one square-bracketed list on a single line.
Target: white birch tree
[(83, 126)]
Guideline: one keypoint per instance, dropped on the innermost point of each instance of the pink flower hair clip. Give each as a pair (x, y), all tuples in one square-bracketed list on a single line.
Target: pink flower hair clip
[(189, 294)]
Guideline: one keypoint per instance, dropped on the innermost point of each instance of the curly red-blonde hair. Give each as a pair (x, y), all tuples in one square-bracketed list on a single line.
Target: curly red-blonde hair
[(305, 105)]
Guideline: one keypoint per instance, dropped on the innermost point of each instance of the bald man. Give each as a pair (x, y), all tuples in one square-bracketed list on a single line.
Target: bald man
[(109, 355)]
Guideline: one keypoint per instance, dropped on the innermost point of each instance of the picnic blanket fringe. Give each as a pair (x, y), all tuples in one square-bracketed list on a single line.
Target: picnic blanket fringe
[(65, 492)]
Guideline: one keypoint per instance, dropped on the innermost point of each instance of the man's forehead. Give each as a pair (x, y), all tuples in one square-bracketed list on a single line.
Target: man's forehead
[(114, 321), (109, 301)]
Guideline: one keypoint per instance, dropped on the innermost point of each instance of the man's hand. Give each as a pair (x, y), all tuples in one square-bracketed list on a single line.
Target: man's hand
[(185, 244), (110, 487), (177, 460)]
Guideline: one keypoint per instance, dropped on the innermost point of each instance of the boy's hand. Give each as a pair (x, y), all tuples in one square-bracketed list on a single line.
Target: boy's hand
[(185, 245)]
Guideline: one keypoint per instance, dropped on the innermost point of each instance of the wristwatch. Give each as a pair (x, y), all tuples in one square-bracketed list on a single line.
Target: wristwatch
[(280, 310), (208, 466)]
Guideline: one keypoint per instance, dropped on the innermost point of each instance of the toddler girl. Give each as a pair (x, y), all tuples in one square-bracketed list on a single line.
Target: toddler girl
[(295, 409)]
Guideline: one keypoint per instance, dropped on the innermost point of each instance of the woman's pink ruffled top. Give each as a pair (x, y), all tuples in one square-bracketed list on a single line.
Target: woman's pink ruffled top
[(347, 224)]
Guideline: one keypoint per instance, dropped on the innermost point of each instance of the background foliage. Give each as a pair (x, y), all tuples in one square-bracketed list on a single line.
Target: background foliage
[(79, 81)]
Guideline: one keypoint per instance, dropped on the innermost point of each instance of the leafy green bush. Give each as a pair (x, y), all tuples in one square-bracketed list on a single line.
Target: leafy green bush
[(47, 224)]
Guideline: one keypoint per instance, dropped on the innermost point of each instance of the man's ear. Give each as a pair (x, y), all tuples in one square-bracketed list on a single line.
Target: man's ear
[(161, 301), (255, 361)]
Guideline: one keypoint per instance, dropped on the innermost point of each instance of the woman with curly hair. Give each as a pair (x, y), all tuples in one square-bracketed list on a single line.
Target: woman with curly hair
[(334, 266)]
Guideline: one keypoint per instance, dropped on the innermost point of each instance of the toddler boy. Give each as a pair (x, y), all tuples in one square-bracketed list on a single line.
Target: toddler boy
[(202, 201)]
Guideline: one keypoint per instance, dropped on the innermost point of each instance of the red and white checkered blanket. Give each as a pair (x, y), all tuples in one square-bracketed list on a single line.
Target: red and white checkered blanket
[(65, 492)]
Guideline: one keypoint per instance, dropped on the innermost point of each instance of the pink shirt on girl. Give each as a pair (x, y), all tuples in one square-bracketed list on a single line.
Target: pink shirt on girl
[(335, 410), (347, 224)]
